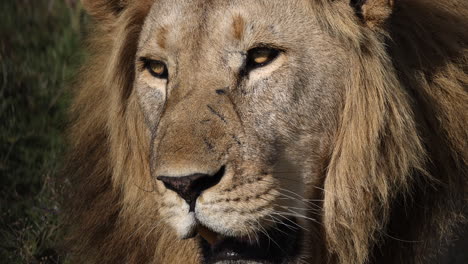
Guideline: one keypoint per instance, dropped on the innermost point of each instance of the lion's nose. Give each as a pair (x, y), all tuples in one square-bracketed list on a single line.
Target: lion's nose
[(191, 186)]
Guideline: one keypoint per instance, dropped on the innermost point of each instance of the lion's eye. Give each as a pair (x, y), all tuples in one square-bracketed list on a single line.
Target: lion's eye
[(157, 68), (259, 57)]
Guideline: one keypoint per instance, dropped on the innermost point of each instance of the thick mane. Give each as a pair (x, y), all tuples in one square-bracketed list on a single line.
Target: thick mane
[(109, 217), (398, 167), (96, 204), (403, 140)]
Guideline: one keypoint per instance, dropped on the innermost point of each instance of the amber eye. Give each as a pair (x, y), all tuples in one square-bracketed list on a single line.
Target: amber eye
[(157, 68), (259, 57)]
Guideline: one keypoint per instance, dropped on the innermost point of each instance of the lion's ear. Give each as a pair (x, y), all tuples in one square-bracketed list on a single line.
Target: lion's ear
[(373, 13), (104, 9)]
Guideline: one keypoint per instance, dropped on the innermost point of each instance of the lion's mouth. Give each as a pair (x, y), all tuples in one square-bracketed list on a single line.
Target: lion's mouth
[(280, 244)]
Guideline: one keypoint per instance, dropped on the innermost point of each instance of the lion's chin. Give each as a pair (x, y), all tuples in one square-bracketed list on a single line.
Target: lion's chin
[(280, 244)]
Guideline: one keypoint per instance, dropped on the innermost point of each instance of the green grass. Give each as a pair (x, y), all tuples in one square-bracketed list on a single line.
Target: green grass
[(39, 53)]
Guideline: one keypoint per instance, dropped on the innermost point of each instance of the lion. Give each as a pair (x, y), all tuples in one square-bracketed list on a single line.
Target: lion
[(269, 131)]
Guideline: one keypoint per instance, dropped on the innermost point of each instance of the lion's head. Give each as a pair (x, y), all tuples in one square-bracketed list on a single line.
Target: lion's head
[(272, 131)]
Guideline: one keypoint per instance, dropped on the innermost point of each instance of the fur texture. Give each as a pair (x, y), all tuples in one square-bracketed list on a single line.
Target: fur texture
[(388, 167)]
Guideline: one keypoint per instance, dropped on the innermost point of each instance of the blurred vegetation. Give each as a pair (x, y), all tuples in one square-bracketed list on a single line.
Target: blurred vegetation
[(39, 53)]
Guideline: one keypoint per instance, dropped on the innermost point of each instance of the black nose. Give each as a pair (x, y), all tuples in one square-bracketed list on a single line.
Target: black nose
[(191, 186)]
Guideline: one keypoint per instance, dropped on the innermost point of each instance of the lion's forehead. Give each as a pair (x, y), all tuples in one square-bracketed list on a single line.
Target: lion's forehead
[(210, 26)]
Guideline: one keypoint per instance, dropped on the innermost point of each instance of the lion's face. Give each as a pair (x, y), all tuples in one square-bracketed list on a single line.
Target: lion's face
[(240, 103), (299, 131)]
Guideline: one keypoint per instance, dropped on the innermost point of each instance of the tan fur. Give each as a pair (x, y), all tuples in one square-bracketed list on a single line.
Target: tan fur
[(162, 37), (238, 27), (389, 165)]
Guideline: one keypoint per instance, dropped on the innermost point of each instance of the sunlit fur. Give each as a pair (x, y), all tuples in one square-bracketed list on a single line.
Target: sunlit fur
[(395, 179)]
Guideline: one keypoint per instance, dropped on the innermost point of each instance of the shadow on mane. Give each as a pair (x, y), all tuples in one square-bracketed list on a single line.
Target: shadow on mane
[(400, 165)]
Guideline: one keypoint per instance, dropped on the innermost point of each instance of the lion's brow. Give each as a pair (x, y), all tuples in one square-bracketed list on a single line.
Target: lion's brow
[(238, 27), (162, 33)]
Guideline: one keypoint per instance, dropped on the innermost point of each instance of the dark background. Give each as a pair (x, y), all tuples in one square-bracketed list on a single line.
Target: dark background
[(40, 51)]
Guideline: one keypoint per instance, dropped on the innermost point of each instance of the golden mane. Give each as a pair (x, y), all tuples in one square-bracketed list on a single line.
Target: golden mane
[(105, 148), (409, 84), (401, 144)]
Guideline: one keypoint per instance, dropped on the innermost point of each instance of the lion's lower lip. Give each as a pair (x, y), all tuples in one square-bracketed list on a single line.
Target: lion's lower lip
[(277, 246)]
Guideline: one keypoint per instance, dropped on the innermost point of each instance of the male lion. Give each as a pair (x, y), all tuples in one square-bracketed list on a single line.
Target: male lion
[(270, 131)]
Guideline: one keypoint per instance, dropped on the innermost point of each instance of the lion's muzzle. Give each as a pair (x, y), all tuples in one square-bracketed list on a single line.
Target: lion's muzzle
[(191, 186)]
